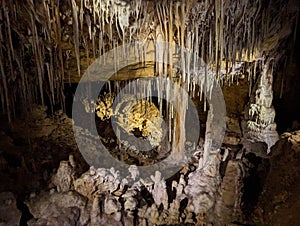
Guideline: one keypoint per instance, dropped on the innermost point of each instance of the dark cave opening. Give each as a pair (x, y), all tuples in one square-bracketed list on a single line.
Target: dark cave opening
[(286, 88), (254, 183)]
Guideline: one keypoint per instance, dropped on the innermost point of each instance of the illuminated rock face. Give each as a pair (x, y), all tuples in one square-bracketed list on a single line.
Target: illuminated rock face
[(141, 116), (103, 107)]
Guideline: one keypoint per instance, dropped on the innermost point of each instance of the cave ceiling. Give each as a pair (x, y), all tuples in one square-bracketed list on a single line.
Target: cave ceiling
[(48, 43)]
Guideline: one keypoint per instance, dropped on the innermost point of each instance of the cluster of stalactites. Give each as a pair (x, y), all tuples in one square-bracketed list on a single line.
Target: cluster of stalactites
[(39, 45), (219, 34), (31, 55)]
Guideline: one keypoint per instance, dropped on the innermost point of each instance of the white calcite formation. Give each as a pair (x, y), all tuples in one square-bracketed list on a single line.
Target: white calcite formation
[(203, 185), (106, 181), (261, 125), (159, 190), (101, 197)]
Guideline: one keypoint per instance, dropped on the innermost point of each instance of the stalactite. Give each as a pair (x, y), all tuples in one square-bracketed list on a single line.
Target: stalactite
[(217, 33), (5, 87), (196, 49), (76, 34), (50, 79), (210, 48), (281, 87), (93, 43), (161, 96), (115, 56), (89, 24), (23, 85), (182, 30), (80, 14), (60, 54), (171, 35), (9, 30), (188, 58), (38, 58)]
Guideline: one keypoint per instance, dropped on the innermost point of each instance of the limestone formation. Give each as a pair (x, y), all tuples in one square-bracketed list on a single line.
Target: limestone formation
[(63, 179), (103, 107), (56, 208), (141, 115), (261, 125), (9, 214), (99, 196), (203, 185), (228, 206)]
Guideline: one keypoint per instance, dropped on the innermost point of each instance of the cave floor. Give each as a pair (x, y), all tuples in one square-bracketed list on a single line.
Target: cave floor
[(27, 165)]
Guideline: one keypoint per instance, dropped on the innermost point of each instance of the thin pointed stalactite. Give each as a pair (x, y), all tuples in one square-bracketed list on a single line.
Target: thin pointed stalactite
[(76, 34), (6, 93), (38, 58)]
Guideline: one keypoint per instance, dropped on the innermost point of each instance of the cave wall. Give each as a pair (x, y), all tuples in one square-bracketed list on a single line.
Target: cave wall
[(286, 89)]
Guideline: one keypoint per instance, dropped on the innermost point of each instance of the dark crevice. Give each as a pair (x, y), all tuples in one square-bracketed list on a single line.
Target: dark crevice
[(26, 215), (254, 182)]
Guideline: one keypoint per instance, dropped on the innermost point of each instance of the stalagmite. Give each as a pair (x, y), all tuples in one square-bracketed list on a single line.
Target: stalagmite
[(261, 124), (159, 191), (208, 137)]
